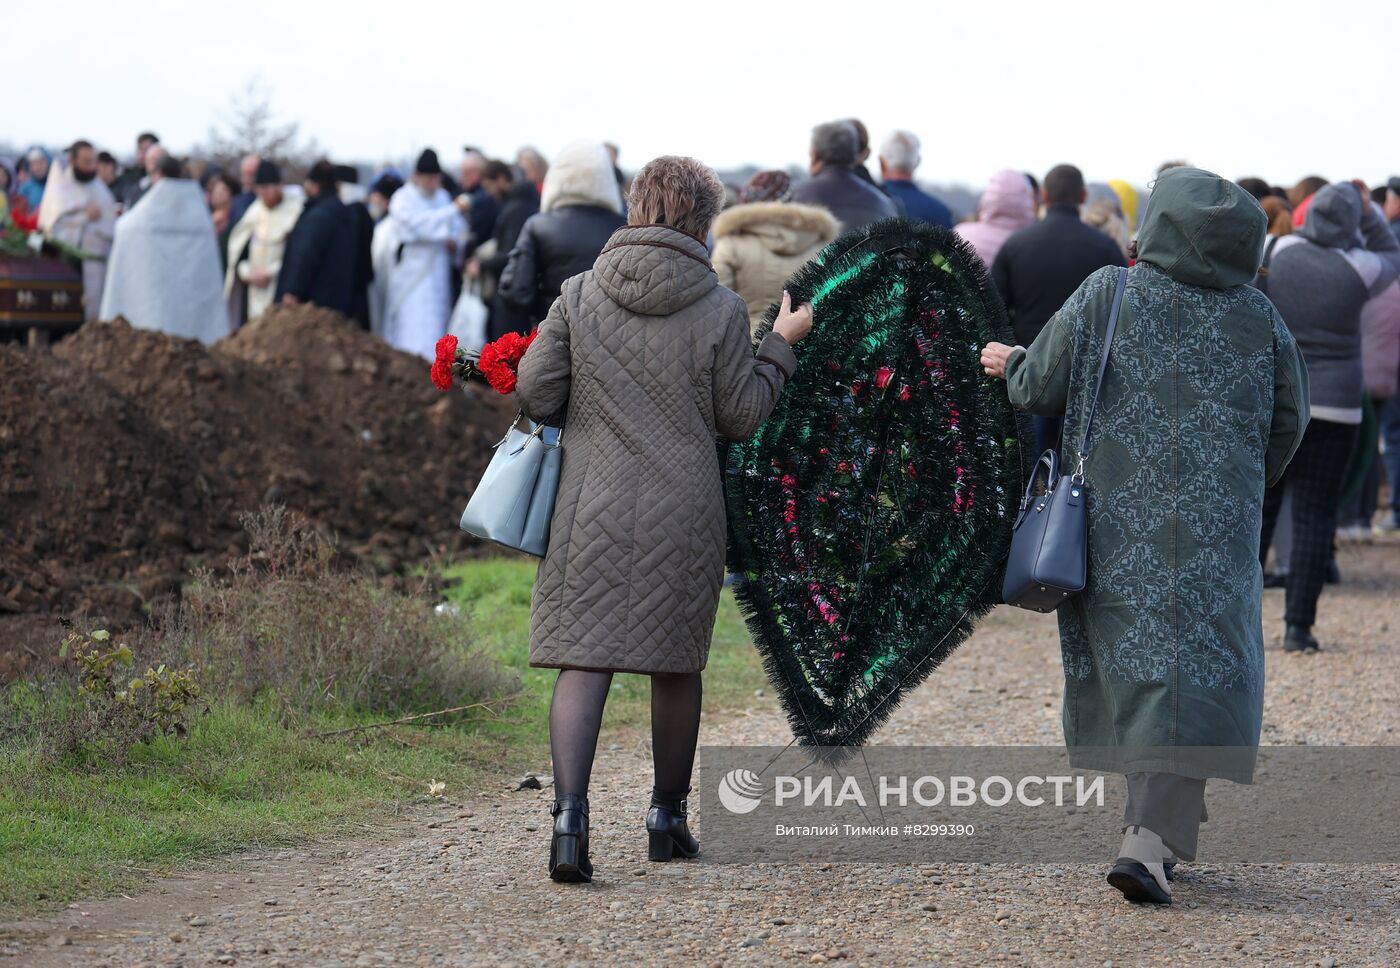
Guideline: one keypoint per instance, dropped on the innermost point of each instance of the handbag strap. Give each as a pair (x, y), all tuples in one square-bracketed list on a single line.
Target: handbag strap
[(1263, 273), (1087, 443), (536, 430)]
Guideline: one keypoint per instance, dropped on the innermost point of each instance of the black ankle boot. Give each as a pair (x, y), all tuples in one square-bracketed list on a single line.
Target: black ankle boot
[(568, 851), (668, 835), (1299, 638)]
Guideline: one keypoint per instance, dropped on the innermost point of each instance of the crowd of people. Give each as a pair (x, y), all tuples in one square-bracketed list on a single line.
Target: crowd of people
[(1260, 348), (484, 249)]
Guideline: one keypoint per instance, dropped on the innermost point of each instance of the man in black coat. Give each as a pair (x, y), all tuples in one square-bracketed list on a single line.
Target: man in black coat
[(364, 237), (1041, 266), (319, 264), (518, 201), (835, 185)]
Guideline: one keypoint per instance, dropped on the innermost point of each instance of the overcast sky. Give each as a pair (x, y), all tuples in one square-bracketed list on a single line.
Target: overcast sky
[(1280, 90)]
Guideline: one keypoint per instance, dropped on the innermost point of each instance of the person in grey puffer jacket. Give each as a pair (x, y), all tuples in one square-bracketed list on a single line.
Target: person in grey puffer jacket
[(1319, 279)]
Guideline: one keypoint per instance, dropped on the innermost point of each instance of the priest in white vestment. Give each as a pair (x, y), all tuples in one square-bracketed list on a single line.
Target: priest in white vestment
[(426, 227), (164, 270), (78, 210), (256, 245), (383, 246)]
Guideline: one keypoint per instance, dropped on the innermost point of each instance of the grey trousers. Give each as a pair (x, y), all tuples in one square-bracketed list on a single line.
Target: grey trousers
[(1172, 807)]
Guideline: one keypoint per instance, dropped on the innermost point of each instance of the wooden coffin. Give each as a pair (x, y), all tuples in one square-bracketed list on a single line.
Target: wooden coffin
[(39, 294)]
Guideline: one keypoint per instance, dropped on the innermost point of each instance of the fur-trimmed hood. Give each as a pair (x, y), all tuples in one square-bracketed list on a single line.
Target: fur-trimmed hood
[(581, 174), (786, 228)]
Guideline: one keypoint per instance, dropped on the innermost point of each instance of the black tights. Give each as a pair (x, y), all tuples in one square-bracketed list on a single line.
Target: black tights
[(576, 714)]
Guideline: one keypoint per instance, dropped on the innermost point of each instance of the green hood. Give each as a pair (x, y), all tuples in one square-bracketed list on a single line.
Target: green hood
[(1202, 230)]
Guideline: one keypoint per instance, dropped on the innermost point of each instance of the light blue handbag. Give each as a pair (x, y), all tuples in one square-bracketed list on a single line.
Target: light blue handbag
[(514, 502)]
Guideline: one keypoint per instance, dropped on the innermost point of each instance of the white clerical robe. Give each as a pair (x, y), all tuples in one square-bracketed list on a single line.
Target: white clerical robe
[(164, 270), (384, 246), (256, 245), (419, 300), (63, 216)]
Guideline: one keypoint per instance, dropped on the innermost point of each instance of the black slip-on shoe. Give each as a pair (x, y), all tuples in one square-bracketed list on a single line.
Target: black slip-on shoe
[(1136, 882)]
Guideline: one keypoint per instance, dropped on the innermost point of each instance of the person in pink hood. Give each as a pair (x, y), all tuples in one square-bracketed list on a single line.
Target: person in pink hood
[(1008, 204)]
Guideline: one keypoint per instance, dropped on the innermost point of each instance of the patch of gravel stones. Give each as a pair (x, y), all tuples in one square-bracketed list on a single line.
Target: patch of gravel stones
[(463, 882)]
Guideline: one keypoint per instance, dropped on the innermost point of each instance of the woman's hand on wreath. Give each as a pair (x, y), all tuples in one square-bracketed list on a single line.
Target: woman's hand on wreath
[(793, 324)]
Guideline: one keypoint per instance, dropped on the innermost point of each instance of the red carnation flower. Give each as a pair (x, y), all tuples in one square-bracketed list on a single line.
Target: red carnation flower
[(442, 365), (442, 375), (447, 348), (500, 359)]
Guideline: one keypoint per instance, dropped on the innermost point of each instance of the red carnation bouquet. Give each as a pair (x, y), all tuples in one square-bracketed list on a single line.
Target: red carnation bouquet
[(497, 362)]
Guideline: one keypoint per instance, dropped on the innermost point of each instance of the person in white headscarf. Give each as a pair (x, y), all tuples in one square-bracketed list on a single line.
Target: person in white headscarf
[(78, 210), (580, 209), (426, 226)]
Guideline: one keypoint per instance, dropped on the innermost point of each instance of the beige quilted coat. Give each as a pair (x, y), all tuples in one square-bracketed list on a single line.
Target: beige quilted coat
[(654, 360), (759, 245)]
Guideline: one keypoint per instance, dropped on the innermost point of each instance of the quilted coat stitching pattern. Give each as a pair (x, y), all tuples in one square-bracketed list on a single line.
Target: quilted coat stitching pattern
[(653, 358)]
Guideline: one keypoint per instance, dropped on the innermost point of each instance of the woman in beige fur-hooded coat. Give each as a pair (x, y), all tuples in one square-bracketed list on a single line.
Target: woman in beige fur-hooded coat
[(760, 243)]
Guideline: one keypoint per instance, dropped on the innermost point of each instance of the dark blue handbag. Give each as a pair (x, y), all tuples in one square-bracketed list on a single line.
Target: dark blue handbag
[(1049, 560)]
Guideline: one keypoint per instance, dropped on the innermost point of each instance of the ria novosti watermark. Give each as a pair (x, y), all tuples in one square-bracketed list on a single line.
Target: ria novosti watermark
[(741, 791), (1031, 804)]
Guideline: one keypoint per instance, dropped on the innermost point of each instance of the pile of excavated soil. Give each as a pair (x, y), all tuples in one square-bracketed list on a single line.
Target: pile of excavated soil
[(127, 456)]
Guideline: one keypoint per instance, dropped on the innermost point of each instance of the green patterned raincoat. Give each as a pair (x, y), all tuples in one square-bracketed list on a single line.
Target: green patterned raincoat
[(1204, 402)]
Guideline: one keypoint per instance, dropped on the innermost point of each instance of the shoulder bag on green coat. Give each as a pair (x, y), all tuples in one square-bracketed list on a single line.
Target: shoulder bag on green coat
[(1049, 560)]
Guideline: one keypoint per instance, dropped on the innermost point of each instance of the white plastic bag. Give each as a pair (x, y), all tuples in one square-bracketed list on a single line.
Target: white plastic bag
[(468, 322)]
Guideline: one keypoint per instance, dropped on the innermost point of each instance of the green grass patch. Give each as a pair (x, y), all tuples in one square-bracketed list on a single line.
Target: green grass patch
[(496, 592), (250, 774)]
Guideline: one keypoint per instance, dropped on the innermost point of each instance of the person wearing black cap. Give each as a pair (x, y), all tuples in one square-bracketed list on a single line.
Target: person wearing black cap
[(319, 265), (347, 180), (257, 245), (427, 227)]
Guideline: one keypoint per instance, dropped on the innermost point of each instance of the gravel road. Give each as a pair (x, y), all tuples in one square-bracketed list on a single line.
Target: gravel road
[(462, 882)]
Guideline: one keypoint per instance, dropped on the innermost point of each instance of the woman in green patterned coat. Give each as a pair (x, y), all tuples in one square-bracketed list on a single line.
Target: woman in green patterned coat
[(1204, 403)]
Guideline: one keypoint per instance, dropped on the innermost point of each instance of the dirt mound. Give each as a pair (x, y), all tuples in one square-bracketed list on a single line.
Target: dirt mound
[(127, 456)]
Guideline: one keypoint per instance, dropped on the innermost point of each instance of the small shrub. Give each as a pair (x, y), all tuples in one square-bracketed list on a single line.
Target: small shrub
[(105, 708), (155, 703), (285, 625)]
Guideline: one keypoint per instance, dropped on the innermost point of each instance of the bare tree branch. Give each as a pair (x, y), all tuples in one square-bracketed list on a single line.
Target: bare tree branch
[(249, 125)]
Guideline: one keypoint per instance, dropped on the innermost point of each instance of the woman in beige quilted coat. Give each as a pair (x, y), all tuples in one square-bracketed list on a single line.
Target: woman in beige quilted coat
[(762, 242), (651, 359)]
